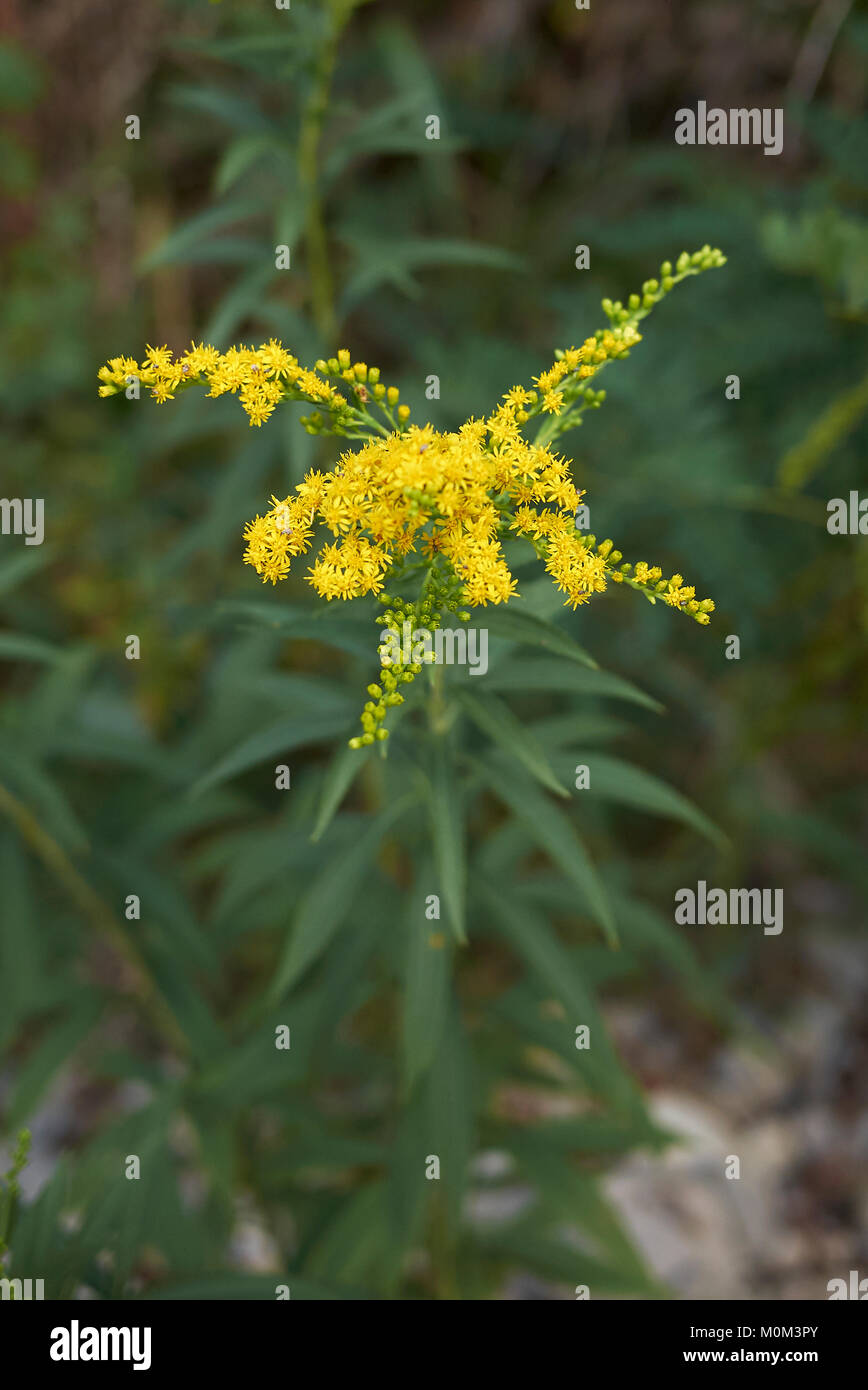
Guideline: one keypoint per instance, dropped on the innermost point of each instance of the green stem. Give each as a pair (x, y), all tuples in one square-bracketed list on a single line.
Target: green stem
[(438, 720), (370, 420), (546, 431), (310, 134)]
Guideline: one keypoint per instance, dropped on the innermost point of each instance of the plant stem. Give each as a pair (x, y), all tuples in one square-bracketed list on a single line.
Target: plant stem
[(316, 240), (437, 706)]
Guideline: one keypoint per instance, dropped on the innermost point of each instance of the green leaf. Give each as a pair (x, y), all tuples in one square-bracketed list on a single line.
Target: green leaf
[(620, 781), (560, 731), (238, 303), (355, 1248), (317, 1147), (250, 861), (330, 898), (260, 612), (25, 981), (92, 746), (526, 1013), (395, 127), (450, 1120), (251, 1067), (408, 1189), (447, 830), (538, 946), (50, 1056), (279, 738), (427, 969), (246, 151), (622, 1133), (549, 828), (188, 239), (57, 693), (331, 627), (555, 1259), (18, 646), (173, 819), (40, 1242), (344, 768), (255, 52), (235, 111), (645, 930), (820, 837), (555, 967), (517, 625), (574, 1197), (252, 251), (186, 1001), (496, 719), (385, 263), (17, 568), (288, 220), (41, 794), (164, 909), (562, 677)]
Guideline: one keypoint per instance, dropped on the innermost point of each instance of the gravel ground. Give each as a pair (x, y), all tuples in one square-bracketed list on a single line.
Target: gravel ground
[(795, 1116)]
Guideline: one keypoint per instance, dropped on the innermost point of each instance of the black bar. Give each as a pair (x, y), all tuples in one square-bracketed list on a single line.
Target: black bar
[(244, 1338)]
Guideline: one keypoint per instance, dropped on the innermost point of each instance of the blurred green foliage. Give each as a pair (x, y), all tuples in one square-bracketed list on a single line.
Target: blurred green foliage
[(156, 778)]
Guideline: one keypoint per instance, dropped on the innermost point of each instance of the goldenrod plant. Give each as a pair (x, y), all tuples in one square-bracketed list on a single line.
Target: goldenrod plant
[(420, 523), (420, 503), (383, 1021)]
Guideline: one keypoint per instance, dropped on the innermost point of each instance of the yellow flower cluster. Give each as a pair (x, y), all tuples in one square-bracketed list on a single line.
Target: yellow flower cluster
[(584, 362), (260, 377), (456, 496), (672, 591), (450, 495)]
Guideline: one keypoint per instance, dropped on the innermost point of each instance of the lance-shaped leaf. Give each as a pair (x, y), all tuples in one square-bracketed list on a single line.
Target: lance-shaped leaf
[(518, 625), (427, 965), (618, 780), (344, 768), (564, 677), (555, 968), (496, 719), (280, 737), (330, 898), (552, 831), (446, 813)]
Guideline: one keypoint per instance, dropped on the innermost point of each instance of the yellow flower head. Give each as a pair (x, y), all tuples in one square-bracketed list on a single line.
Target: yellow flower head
[(451, 497)]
